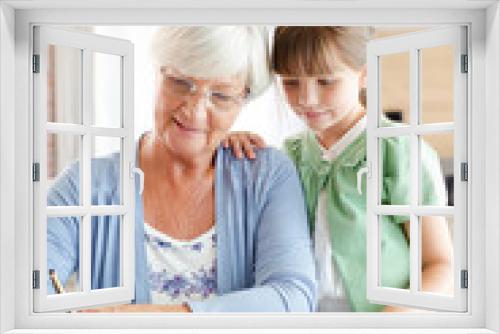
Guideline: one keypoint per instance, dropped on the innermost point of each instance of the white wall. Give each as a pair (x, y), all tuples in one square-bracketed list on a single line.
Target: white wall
[(492, 274), (7, 175)]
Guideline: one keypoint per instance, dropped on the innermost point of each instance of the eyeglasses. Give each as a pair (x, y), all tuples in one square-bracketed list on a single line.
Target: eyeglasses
[(222, 99)]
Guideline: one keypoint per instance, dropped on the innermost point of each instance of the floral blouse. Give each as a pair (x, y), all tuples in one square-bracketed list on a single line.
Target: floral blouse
[(181, 271)]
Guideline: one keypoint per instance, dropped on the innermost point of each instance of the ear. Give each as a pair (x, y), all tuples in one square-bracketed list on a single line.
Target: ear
[(362, 77)]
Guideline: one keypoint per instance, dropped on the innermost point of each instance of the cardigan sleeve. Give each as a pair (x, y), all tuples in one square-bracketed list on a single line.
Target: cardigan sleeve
[(63, 240), (63, 233), (284, 264)]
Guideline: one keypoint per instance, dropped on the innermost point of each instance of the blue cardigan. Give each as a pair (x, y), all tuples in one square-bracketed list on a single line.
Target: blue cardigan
[(264, 256)]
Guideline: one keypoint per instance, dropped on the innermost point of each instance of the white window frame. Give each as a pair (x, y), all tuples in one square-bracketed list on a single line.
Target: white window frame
[(411, 44), (89, 44), (483, 19)]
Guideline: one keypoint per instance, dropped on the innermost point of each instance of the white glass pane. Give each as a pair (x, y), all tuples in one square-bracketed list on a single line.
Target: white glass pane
[(394, 169), (107, 90), (394, 85), (105, 248), (106, 158), (436, 169), (437, 236), (436, 85), (63, 255), (63, 170), (394, 252), (64, 84)]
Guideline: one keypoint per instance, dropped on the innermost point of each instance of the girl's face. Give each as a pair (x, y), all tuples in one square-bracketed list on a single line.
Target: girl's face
[(323, 100)]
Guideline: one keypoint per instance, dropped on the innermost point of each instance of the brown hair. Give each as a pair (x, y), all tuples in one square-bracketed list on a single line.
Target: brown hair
[(313, 50)]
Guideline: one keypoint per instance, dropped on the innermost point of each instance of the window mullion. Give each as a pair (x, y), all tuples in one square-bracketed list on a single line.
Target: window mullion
[(85, 241), (78, 129), (96, 210), (127, 261), (373, 177), (406, 210), (421, 129), (414, 172)]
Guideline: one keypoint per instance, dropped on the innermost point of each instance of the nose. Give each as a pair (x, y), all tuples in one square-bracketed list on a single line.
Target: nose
[(198, 105), (308, 93)]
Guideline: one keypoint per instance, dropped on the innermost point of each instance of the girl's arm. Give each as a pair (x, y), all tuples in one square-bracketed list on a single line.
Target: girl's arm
[(437, 273)]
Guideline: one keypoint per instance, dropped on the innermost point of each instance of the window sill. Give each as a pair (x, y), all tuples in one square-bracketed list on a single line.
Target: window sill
[(248, 331)]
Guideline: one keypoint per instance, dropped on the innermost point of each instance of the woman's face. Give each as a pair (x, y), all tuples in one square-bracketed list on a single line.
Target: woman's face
[(323, 100), (193, 115)]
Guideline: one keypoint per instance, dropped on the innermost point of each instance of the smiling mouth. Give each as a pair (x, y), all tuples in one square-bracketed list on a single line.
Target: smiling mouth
[(186, 128), (314, 114)]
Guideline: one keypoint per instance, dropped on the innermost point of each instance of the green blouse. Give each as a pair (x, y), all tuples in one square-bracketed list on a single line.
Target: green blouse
[(346, 210)]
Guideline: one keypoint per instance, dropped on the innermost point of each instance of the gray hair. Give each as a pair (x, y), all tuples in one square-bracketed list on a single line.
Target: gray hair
[(215, 51)]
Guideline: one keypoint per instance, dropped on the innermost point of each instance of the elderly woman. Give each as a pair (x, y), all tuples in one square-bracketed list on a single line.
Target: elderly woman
[(213, 233)]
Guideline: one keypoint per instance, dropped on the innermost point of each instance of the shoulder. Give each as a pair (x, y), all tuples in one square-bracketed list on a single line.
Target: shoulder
[(268, 167), (294, 142), (397, 150), (267, 159), (294, 146), (106, 179), (396, 144), (106, 175), (106, 163), (297, 141), (104, 168), (395, 147)]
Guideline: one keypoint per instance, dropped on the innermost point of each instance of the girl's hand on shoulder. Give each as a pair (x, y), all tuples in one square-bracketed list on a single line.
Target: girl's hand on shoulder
[(243, 143)]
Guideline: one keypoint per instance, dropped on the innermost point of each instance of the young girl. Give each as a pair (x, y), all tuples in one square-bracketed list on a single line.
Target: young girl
[(322, 72)]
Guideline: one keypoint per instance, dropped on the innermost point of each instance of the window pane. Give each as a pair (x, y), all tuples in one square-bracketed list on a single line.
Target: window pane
[(63, 255), (437, 236), (395, 87), (394, 168), (106, 154), (436, 169), (394, 252), (63, 170), (436, 86), (107, 90), (106, 246), (64, 86)]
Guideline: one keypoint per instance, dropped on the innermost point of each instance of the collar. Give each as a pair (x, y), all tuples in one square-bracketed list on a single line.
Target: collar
[(350, 150), (348, 138)]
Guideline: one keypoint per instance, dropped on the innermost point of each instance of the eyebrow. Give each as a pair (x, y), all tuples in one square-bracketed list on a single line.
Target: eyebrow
[(324, 75), (215, 81)]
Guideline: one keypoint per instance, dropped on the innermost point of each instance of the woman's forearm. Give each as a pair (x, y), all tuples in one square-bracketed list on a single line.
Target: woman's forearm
[(144, 308)]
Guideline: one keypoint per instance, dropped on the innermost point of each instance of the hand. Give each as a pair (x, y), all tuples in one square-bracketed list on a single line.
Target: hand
[(243, 142), (145, 308)]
